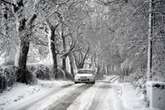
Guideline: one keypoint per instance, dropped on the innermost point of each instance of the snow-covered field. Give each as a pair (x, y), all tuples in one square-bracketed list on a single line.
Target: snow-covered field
[(106, 94)]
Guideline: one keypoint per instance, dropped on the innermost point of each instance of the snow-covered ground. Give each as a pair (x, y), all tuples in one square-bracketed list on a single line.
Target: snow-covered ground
[(130, 97), (21, 94), (105, 94), (121, 96)]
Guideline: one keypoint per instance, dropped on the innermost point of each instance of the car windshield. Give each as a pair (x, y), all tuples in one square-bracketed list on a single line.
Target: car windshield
[(85, 72)]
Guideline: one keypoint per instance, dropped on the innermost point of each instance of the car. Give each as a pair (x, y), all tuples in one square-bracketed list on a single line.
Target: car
[(84, 76)]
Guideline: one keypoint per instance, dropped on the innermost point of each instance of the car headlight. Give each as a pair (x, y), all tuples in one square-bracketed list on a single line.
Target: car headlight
[(77, 77)]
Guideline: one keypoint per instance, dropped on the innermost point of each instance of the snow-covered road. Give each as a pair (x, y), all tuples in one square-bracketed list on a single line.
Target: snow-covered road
[(103, 95), (79, 97)]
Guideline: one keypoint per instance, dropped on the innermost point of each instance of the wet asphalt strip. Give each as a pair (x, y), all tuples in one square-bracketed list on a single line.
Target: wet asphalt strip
[(66, 101), (52, 92)]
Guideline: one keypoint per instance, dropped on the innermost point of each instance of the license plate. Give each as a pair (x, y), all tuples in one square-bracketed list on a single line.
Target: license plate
[(83, 77)]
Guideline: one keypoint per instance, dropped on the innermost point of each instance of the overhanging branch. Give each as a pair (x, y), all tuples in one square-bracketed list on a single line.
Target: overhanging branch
[(6, 2)]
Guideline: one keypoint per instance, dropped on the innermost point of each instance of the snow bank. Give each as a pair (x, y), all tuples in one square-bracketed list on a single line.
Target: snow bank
[(132, 98), (126, 97)]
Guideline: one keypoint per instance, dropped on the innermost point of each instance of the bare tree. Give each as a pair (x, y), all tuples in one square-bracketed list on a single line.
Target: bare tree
[(24, 31), (69, 53), (52, 44), (81, 56)]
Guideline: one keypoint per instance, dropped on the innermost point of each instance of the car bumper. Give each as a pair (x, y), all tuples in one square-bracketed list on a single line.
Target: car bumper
[(84, 80)]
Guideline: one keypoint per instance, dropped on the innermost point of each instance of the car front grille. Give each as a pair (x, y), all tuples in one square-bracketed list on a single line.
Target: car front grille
[(83, 79)]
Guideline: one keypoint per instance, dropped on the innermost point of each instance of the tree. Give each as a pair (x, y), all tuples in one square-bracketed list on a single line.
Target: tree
[(81, 55), (53, 48), (24, 30), (71, 18), (7, 35), (69, 53)]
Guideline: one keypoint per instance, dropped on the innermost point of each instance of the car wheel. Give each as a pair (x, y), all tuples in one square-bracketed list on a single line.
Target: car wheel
[(93, 82), (75, 82)]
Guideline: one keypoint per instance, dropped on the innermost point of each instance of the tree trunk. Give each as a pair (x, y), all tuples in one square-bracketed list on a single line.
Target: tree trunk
[(23, 75), (64, 58), (5, 26), (71, 63), (53, 50), (22, 72), (24, 49), (84, 58), (52, 46)]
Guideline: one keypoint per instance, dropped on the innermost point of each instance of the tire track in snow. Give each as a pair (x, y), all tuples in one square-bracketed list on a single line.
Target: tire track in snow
[(35, 101), (23, 106), (100, 96), (49, 102), (66, 101), (109, 79)]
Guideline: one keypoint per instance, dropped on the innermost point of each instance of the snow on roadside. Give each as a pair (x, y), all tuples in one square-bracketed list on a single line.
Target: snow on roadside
[(116, 100), (21, 94), (130, 97)]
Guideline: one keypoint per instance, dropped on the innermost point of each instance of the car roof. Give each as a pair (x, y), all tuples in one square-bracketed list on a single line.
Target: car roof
[(85, 70)]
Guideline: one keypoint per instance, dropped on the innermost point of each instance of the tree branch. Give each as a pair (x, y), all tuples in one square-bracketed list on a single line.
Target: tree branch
[(31, 20), (6, 2), (108, 3)]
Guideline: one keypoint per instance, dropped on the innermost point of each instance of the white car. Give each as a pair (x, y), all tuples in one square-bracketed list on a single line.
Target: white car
[(86, 76)]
